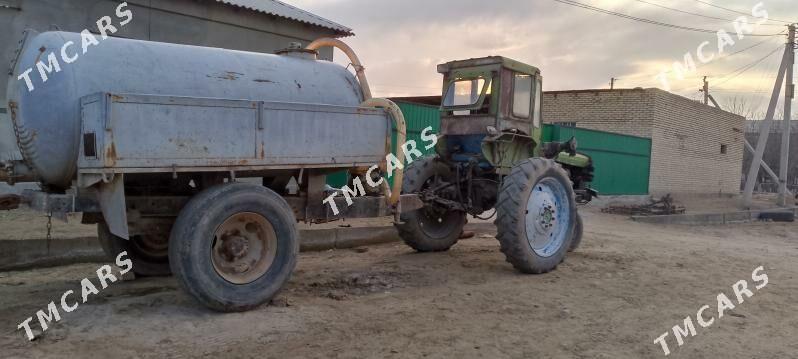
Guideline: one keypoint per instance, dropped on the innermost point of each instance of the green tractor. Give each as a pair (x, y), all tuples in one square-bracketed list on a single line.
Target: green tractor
[(490, 156)]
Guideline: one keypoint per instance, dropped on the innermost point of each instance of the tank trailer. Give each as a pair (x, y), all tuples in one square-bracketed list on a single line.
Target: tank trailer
[(199, 162)]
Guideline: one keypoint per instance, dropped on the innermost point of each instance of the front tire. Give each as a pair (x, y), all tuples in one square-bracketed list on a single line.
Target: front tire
[(429, 229), (536, 210), (234, 246)]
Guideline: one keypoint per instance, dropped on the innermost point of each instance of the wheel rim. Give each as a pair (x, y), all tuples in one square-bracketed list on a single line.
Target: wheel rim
[(244, 248), (548, 217)]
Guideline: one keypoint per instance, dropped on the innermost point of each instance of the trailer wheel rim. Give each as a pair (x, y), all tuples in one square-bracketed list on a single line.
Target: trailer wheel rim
[(548, 217), (244, 248)]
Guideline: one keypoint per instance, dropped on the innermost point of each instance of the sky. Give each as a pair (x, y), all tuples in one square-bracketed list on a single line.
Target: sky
[(401, 41)]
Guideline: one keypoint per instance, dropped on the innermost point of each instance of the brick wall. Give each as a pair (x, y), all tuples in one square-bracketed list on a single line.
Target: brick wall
[(686, 147), (686, 135), (629, 112)]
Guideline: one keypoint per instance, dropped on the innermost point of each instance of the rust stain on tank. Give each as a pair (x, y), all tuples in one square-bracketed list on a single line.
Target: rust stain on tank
[(227, 75), (41, 52), (110, 155)]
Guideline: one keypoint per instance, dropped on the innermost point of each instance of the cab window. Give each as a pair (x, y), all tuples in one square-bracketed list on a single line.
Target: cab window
[(464, 92), (522, 95)]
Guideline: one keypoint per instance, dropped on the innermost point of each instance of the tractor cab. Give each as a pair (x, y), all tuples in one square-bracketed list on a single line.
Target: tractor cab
[(490, 107)]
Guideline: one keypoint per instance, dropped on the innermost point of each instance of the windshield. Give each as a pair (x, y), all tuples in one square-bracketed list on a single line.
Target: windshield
[(466, 92)]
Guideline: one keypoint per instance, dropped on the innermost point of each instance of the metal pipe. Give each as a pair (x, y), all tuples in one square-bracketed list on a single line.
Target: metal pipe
[(360, 71), (369, 101), (401, 137)]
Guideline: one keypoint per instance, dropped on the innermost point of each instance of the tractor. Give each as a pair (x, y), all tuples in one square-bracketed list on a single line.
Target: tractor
[(490, 156)]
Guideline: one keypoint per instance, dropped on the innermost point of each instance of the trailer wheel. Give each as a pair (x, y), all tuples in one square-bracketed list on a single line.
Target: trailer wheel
[(149, 253), (536, 210), (579, 228), (429, 229), (234, 246)]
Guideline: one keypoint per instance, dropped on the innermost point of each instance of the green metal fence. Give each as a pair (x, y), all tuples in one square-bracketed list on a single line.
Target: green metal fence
[(418, 117), (622, 162)]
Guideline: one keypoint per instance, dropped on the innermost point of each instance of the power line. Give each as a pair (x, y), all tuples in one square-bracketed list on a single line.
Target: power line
[(640, 19), (695, 14), (739, 12), (745, 68), (698, 67)]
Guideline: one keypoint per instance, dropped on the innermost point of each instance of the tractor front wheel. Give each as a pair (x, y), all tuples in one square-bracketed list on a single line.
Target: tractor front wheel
[(536, 214), (429, 229)]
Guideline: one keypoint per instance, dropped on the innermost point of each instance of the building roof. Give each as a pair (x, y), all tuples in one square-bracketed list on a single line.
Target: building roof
[(281, 9)]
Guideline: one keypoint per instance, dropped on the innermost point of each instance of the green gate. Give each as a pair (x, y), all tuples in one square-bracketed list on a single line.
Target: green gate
[(622, 162)]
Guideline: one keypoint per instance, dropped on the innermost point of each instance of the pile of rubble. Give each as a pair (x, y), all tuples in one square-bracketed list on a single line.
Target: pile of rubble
[(657, 207)]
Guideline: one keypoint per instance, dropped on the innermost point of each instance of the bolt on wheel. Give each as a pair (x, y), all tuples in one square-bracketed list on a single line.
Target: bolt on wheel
[(244, 248)]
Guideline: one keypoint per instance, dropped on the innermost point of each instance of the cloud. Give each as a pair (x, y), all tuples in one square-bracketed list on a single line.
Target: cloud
[(402, 41)]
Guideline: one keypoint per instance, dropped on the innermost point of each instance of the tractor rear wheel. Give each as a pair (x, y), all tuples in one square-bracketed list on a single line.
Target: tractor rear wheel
[(536, 210), (234, 246), (429, 229), (579, 228)]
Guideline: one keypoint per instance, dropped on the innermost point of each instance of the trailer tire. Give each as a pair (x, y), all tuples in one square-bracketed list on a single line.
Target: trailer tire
[(535, 209), (417, 229), (234, 246), (578, 231), (144, 264)]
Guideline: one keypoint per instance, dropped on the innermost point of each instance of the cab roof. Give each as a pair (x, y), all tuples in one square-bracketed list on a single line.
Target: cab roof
[(490, 61)]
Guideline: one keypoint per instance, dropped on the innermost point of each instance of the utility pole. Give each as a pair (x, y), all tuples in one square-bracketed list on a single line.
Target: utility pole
[(751, 149), (706, 91), (789, 95), (612, 83), (764, 132)]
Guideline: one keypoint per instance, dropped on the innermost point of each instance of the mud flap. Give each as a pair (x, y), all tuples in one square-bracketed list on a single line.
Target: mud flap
[(111, 195)]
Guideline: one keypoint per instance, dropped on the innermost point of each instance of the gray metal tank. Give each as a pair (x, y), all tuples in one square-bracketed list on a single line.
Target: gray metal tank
[(48, 118)]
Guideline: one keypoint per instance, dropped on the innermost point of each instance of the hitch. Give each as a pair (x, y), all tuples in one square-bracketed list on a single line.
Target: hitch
[(9, 201)]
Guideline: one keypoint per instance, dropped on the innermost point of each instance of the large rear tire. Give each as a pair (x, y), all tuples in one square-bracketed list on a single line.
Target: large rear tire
[(536, 210), (149, 252), (234, 246), (429, 229), (579, 228)]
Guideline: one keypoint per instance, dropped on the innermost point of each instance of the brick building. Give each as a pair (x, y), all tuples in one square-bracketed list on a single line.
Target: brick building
[(694, 148)]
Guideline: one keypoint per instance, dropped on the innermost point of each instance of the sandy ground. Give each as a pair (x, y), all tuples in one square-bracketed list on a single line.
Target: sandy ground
[(627, 285)]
